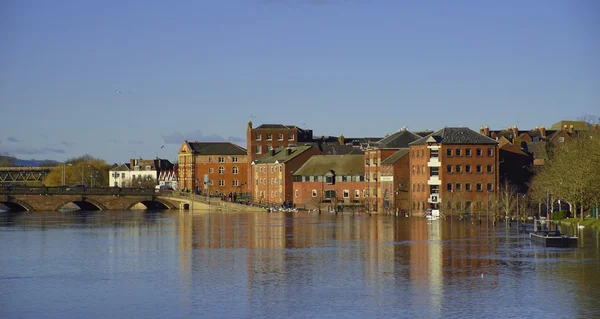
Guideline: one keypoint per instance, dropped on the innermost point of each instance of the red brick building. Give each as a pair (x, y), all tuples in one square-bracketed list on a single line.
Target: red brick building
[(374, 155), (225, 163), (395, 183), (272, 173), (453, 170), (330, 180), (262, 139)]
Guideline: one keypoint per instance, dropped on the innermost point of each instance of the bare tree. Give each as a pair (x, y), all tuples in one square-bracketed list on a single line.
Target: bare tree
[(506, 201)]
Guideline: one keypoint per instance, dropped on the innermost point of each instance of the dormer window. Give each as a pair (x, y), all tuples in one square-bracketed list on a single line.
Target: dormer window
[(148, 167)]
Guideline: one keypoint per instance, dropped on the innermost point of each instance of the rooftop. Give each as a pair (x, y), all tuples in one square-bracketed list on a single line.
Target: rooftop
[(281, 155), (395, 157), (400, 139), (455, 135), (319, 165), (216, 148)]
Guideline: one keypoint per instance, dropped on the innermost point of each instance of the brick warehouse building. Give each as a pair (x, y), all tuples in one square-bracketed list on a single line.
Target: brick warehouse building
[(395, 183), (225, 163), (272, 173), (453, 170), (265, 137), (330, 180)]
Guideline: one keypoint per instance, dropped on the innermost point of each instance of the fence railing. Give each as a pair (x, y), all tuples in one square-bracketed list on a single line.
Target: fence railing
[(65, 190)]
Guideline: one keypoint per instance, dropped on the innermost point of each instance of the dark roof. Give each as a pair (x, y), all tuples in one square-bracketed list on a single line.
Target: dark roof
[(280, 155), (271, 126), (319, 165), (577, 125), (423, 133), (122, 167), (537, 149), (395, 157), (456, 135), (400, 139), (216, 148), (334, 148)]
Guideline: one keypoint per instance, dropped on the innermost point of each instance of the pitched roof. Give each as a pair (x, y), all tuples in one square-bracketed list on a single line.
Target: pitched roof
[(395, 157), (537, 149), (334, 148), (456, 135), (577, 125), (216, 148), (423, 133), (510, 147), (319, 165), (281, 156), (400, 139), (122, 167)]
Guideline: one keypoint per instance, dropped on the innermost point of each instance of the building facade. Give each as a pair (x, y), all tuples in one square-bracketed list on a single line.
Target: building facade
[(138, 173), (224, 164), (330, 181), (395, 183), (453, 171), (260, 140), (273, 171)]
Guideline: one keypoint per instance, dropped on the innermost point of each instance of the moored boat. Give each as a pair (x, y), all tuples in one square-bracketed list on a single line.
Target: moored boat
[(542, 235)]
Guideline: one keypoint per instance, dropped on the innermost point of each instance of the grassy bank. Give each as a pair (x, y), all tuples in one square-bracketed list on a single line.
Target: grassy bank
[(591, 222)]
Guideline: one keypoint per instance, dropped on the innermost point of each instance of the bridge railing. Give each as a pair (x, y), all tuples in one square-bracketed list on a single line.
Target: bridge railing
[(65, 190)]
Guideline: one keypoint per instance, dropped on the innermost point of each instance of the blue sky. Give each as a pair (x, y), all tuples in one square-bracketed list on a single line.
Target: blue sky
[(199, 69)]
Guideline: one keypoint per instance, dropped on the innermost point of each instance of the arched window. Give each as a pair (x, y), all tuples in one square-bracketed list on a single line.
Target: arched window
[(221, 169), (235, 169)]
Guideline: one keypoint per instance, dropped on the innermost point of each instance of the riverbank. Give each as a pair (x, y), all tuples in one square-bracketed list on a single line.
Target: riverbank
[(590, 222)]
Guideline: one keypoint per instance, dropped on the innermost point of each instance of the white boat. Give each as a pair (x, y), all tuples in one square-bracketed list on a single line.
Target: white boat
[(432, 214)]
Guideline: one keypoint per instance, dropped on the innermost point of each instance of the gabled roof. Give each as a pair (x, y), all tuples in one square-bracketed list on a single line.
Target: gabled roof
[(577, 125), (334, 148), (216, 148), (319, 165), (455, 135), (281, 156), (275, 126), (423, 133), (400, 139), (395, 157), (123, 167), (537, 149), (510, 147)]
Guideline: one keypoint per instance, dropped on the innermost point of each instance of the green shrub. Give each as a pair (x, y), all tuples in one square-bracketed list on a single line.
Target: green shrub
[(559, 215)]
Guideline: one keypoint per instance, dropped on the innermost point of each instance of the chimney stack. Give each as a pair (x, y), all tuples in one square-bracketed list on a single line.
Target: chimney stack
[(564, 128), (288, 151), (515, 131), (486, 131), (481, 130), (543, 131), (571, 129), (341, 139), (272, 152)]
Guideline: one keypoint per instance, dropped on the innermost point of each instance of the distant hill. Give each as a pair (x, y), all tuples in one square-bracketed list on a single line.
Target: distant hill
[(6, 160)]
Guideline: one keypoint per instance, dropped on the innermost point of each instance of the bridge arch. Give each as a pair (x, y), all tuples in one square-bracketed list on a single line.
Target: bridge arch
[(84, 204), (152, 204), (15, 205)]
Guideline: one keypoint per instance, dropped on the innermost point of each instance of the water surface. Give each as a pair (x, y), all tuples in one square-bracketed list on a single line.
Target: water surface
[(139, 264)]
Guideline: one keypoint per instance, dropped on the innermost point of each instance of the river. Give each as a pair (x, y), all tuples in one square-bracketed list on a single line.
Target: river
[(137, 264)]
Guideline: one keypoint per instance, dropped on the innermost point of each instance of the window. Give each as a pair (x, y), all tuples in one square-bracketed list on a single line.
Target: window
[(236, 183), (449, 168), (468, 187), (417, 153), (478, 152), (221, 159), (345, 178), (257, 149), (258, 137), (457, 152), (296, 193), (357, 193), (122, 175), (418, 187), (148, 167), (449, 205), (422, 152), (346, 194), (479, 187), (434, 189), (468, 152), (269, 136), (561, 139), (329, 194), (234, 159), (490, 188), (434, 171), (314, 193), (423, 169), (280, 137), (479, 169), (478, 205), (490, 152), (221, 169), (290, 137), (458, 205), (234, 170), (329, 179), (489, 168), (368, 162), (269, 147), (449, 187), (458, 187), (458, 169), (211, 170), (413, 187), (468, 168), (221, 182), (433, 153), (413, 155), (449, 152)]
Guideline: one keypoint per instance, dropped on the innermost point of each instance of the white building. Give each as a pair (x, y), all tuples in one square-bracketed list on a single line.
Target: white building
[(138, 173), (168, 177)]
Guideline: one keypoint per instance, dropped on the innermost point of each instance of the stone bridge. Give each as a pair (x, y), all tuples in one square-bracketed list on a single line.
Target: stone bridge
[(55, 198), (109, 198)]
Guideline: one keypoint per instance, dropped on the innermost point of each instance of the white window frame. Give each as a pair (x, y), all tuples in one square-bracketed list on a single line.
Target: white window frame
[(234, 170), (314, 193), (346, 193)]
